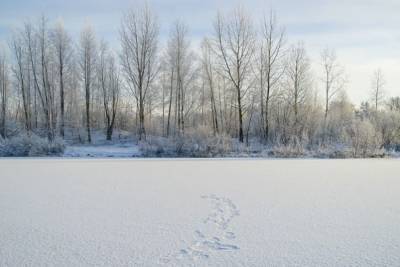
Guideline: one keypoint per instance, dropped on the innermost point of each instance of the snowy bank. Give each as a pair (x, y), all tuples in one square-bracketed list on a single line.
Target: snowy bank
[(103, 151)]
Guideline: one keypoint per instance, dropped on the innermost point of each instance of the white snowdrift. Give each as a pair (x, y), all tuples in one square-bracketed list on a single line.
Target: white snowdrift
[(199, 212)]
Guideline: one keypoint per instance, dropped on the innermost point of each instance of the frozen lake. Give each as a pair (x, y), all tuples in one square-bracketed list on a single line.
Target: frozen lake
[(67, 212)]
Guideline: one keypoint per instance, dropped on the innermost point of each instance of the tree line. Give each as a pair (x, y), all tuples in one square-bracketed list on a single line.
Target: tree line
[(244, 81)]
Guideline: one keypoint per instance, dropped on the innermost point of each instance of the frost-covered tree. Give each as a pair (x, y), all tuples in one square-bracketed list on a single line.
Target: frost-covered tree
[(63, 55), (377, 92), (87, 61), (235, 39), (209, 73), (271, 67), (139, 32), (35, 71), (333, 77), (4, 84), (20, 42), (298, 85), (180, 67), (109, 83)]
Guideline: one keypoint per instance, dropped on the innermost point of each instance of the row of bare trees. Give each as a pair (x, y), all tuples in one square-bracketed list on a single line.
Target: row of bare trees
[(243, 81), (49, 70)]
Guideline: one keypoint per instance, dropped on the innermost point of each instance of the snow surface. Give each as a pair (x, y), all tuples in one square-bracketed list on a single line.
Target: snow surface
[(67, 212), (123, 150)]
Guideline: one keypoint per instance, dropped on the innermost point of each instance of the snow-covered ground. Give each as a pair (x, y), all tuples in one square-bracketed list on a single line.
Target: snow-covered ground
[(123, 150), (122, 146), (67, 212)]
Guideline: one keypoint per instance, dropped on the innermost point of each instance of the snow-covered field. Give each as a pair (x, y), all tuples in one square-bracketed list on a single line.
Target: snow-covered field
[(67, 212)]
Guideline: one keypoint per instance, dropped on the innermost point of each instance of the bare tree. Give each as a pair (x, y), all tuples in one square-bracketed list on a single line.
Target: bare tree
[(334, 77), (209, 70), (87, 65), (20, 70), (38, 52), (63, 50), (168, 82), (179, 61), (180, 44), (298, 78), (47, 89), (163, 87), (139, 31), (378, 83), (271, 67), (109, 82), (235, 45), (4, 82), (171, 88)]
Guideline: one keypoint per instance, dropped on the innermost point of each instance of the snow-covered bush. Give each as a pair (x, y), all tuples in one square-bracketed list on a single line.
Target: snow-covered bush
[(25, 146), (387, 124), (294, 148), (156, 146), (364, 140), (333, 151), (194, 143)]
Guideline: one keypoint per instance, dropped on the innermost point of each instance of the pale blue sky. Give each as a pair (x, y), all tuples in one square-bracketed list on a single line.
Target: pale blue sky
[(365, 33)]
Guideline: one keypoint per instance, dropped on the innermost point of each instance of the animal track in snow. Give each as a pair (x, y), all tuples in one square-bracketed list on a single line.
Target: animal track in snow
[(215, 235)]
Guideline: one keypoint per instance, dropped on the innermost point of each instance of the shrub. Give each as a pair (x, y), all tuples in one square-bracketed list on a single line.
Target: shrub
[(364, 140), (33, 145), (293, 149), (194, 143)]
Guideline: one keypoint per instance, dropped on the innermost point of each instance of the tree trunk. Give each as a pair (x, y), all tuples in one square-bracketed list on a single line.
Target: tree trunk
[(170, 105), (142, 132), (267, 106), (61, 99), (3, 89), (88, 115), (109, 133), (240, 114)]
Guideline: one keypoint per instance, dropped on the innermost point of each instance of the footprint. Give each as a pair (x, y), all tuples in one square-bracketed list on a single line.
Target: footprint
[(230, 235), (215, 245), (216, 239), (209, 238), (199, 234)]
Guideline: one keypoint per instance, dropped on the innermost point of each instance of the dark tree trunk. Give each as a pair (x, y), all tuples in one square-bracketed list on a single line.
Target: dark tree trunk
[(240, 114), (62, 123), (88, 114)]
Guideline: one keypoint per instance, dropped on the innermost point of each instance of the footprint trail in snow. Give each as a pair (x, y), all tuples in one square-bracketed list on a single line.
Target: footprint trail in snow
[(214, 236)]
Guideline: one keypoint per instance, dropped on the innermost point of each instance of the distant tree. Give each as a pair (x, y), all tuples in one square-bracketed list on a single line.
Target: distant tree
[(63, 49), (21, 68), (35, 62), (271, 66), (179, 61), (139, 32), (109, 82), (46, 89), (88, 55), (209, 72), (378, 83), (4, 83), (298, 78), (334, 77), (235, 40)]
